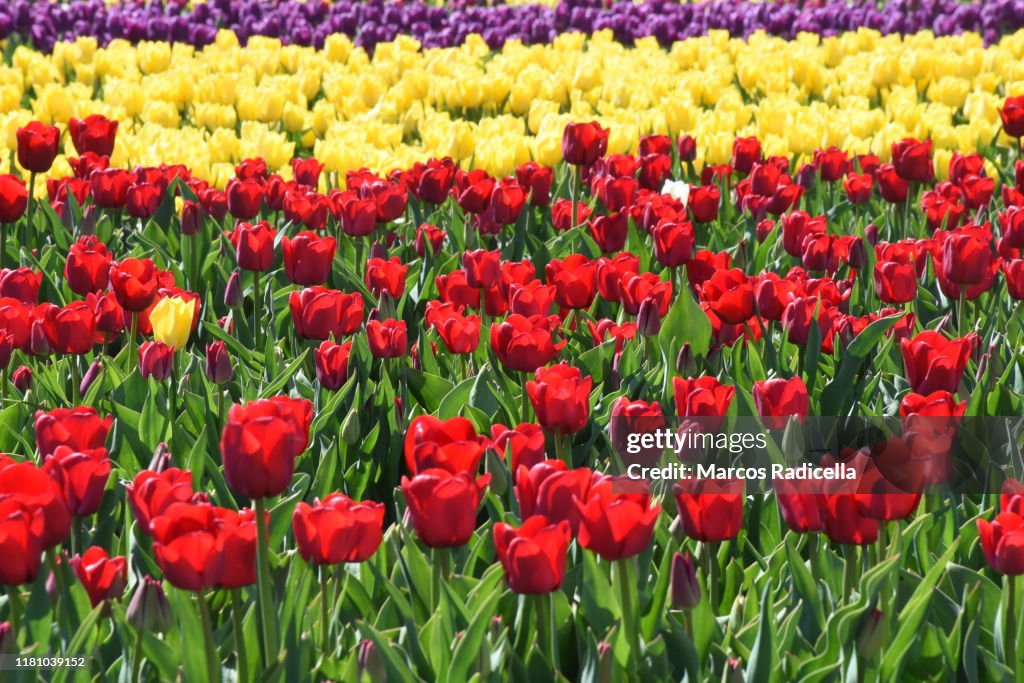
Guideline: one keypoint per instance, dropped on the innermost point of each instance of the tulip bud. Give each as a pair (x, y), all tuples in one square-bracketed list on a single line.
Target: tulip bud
[(605, 662), (351, 430), (91, 375), (648, 322), (686, 363), (22, 378), (191, 217), (614, 378), (39, 343), (734, 671), (370, 663), (871, 234), (764, 228), (200, 498), (687, 148), (685, 589), (378, 250), (161, 460), (155, 360), (874, 632), (8, 639), (806, 176), (233, 292), (218, 363), (149, 609), (52, 591), (986, 358)]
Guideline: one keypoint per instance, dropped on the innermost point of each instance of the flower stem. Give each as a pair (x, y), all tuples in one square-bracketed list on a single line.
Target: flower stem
[(440, 573), (137, 656), (131, 342), (256, 310), (31, 209), (1010, 639), (325, 623), (212, 661), (547, 636), (626, 588), (263, 594), (242, 665), (14, 602)]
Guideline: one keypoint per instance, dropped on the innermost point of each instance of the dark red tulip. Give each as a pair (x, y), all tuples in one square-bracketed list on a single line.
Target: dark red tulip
[(912, 160), (561, 398), (533, 556), (895, 282), (561, 214), (634, 289), (337, 529), (95, 133), (260, 443), (432, 235), (70, 329), (143, 199), (442, 506), (21, 284), (893, 187), (745, 152), (616, 518), (1012, 114), (387, 339), (331, 362), (610, 272), (966, 259), (307, 171), (482, 267), (254, 245), (777, 400), (583, 143), (37, 146), (102, 576), (1002, 541), (218, 363), (934, 363), (575, 280), (308, 258), (1013, 272), (673, 243), (244, 198), (703, 203), (358, 215), (156, 360), (610, 231), (709, 509), (536, 179), (318, 312), (109, 187)]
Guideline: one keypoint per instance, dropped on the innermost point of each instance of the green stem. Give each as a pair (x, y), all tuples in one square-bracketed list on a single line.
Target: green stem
[(14, 602), (850, 574), (242, 664), (712, 553), (629, 625), (325, 622), (547, 636), (1010, 639), (137, 656), (212, 661), (524, 399), (31, 209), (256, 310), (264, 596), (132, 360), (440, 572)]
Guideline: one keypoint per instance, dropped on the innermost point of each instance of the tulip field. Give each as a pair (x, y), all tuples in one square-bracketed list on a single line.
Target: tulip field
[(378, 341)]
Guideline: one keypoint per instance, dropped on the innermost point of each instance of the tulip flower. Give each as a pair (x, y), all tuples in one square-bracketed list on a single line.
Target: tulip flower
[(103, 577), (452, 445), (777, 400), (337, 529), (153, 492), (442, 506), (83, 477), (95, 133), (80, 428), (308, 258), (934, 363), (551, 489), (524, 443), (331, 362), (710, 510), (156, 360), (523, 344), (561, 399), (172, 319), (21, 534), (533, 556), (36, 488), (387, 339)]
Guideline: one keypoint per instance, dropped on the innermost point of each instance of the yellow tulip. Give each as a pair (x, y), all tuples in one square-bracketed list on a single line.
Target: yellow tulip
[(172, 321)]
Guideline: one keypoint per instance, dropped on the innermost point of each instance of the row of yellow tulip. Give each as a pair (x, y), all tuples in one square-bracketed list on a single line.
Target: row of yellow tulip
[(211, 107)]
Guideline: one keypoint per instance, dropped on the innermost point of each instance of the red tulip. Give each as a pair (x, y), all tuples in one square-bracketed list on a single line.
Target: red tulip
[(533, 556), (912, 160), (21, 284), (703, 397), (842, 521), (134, 283), (254, 245), (1002, 541), (610, 272), (778, 399), (358, 216), (561, 398), (189, 546), (83, 476), (436, 181), (1013, 271), (21, 532), (386, 276), (634, 289), (523, 344), (319, 313), (218, 363), (617, 519), (37, 146), (710, 510), (13, 198), (307, 171), (523, 443), (244, 199), (551, 489), (260, 442), (730, 295), (109, 187), (745, 152), (561, 214), (94, 134), (533, 298), (575, 280), (673, 243), (151, 493), (966, 259), (460, 334), (610, 231), (896, 282), (442, 506), (40, 490), (432, 235), (143, 199), (583, 143), (156, 360), (80, 428), (70, 329), (338, 529), (102, 576), (331, 361), (935, 363), (893, 187), (801, 510), (308, 258), (452, 445), (238, 537), (536, 179), (387, 339), (483, 268), (1012, 114), (703, 203)]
